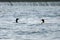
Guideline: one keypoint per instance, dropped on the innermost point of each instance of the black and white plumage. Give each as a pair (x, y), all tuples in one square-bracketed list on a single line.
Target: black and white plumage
[(42, 20)]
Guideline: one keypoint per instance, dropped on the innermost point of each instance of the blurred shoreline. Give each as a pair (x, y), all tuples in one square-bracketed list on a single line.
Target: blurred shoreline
[(31, 3)]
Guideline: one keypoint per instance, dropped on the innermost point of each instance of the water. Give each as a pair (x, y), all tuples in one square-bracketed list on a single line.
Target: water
[(29, 26)]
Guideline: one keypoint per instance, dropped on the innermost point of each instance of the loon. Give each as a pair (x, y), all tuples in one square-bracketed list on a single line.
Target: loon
[(42, 20), (17, 20)]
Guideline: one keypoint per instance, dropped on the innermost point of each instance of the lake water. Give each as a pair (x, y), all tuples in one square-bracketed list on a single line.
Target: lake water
[(29, 25)]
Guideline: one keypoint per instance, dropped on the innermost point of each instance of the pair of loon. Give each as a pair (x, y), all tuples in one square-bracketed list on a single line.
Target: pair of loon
[(41, 20)]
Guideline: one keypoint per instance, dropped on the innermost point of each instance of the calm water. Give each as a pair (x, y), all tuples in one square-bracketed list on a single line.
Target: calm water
[(29, 26)]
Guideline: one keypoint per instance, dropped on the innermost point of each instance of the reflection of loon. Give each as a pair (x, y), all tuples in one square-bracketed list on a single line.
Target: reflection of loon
[(17, 20), (42, 20)]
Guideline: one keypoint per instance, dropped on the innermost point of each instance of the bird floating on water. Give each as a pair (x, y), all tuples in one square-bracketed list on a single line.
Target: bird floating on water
[(17, 20), (42, 21)]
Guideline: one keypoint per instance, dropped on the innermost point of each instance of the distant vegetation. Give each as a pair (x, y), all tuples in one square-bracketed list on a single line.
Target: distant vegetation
[(27, 0)]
